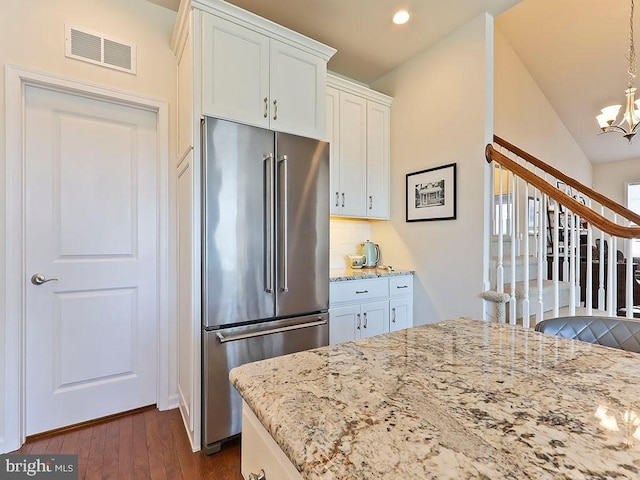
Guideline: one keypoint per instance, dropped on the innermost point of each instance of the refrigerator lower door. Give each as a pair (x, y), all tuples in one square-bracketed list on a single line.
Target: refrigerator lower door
[(302, 225), (229, 348)]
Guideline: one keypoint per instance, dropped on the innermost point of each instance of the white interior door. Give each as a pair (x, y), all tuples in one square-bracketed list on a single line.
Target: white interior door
[(90, 220)]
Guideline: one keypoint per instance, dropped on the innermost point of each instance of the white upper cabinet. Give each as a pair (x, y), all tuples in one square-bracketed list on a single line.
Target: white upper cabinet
[(297, 91), (353, 155), (358, 127), (235, 72), (258, 73), (378, 152)]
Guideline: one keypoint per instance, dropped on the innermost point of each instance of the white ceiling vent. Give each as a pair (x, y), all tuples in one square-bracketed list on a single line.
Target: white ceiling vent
[(100, 50)]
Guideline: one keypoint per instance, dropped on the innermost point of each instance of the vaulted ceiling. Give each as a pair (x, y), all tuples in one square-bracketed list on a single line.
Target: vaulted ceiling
[(574, 49)]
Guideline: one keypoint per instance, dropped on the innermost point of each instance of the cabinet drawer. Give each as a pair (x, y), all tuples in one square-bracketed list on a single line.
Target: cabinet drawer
[(358, 290), (401, 286)]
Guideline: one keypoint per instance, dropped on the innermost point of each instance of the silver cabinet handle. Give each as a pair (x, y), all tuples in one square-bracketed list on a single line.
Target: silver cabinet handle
[(275, 109), (362, 291), (365, 319), (285, 225), (343, 199), (260, 476), (39, 279), (370, 202), (337, 199), (266, 107), (393, 315), (269, 230), (358, 322)]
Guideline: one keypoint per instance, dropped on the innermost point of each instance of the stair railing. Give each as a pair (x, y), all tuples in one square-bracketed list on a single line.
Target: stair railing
[(559, 217)]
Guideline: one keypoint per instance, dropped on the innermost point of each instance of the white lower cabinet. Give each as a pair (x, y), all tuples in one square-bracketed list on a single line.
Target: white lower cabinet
[(400, 313), (400, 302), (261, 454), (363, 308)]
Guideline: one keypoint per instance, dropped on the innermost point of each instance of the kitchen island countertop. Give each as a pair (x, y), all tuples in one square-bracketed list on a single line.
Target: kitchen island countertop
[(344, 274), (453, 400)]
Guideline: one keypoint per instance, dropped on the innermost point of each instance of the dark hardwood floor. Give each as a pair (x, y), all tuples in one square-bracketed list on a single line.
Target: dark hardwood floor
[(144, 445)]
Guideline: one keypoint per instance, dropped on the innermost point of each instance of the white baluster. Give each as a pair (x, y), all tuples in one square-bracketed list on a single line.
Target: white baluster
[(614, 247), (588, 288), (512, 301), (566, 246), (611, 261), (556, 260), (601, 292), (500, 269), (525, 300), (572, 264), (629, 279), (540, 310)]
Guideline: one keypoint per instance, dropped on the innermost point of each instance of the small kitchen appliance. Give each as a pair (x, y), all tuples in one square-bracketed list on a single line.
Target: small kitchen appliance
[(372, 253), (357, 261)]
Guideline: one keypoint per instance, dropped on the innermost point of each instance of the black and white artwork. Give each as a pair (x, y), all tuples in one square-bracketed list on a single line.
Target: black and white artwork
[(431, 194)]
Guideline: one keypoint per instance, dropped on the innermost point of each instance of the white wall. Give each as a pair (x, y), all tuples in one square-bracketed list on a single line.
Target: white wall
[(441, 114), (345, 235), (32, 36), (525, 118), (611, 179)]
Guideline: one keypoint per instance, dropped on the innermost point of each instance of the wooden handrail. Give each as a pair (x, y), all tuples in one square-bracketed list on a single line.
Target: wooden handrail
[(598, 197), (559, 196)]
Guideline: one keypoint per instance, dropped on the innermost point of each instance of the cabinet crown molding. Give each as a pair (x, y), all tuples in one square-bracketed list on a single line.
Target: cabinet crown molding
[(356, 89), (252, 21)]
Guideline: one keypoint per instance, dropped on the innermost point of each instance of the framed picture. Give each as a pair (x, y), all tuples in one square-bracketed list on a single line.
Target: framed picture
[(431, 194), (533, 206)]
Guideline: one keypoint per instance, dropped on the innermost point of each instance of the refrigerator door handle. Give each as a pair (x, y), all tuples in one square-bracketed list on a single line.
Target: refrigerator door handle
[(285, 225), (269, 231), (244, 336)]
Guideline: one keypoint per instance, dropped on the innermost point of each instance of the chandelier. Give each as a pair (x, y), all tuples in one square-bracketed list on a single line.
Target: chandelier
[(631, 116)]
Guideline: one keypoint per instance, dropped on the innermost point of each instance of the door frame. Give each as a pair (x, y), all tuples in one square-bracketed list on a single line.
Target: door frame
[(17, 79)]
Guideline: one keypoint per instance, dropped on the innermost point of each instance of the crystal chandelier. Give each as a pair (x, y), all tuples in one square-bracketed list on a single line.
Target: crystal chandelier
[(631, 116)]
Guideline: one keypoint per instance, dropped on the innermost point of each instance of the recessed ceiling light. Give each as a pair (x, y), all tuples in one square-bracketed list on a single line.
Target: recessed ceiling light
[(401, 17)]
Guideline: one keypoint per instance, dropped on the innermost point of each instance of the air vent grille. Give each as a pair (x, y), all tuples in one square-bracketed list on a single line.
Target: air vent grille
[(100, 50)]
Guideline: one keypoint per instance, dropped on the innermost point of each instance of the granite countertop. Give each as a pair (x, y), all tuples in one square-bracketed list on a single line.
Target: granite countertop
[(343, 274), (460, 399)]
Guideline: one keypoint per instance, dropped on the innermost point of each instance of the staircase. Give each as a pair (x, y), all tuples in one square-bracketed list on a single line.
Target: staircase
[(543, 263)]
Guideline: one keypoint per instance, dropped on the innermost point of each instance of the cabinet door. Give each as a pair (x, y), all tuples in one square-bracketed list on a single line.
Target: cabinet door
[(297, 91), (375, 319), (235, 72), (378, 153), (332, 135), (343, 322), (353, 154), (401, 313)]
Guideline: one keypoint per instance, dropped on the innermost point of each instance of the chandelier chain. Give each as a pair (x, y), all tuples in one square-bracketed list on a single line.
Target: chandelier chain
[(632, 49)]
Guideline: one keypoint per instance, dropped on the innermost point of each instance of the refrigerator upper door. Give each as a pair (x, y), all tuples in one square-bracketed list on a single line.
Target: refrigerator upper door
[(238, 244), (302, 225)]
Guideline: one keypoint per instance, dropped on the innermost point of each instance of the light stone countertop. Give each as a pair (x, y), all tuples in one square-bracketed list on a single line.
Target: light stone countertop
[(344, 274), (461, 399)]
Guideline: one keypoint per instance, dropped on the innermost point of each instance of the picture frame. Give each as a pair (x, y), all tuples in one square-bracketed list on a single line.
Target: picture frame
[(533, 207), (431, 194)]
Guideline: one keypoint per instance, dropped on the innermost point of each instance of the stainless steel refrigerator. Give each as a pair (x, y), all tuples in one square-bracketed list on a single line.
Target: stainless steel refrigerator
[(265, 270)]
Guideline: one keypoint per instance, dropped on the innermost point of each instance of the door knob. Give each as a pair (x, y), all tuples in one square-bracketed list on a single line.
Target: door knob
[(39, 279)]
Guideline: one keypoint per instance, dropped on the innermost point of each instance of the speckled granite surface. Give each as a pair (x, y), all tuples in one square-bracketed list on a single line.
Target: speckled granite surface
[(461, 399), (343, 274)]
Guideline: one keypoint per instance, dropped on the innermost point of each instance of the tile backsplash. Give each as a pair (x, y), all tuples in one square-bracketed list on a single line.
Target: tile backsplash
[(345, 235)]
